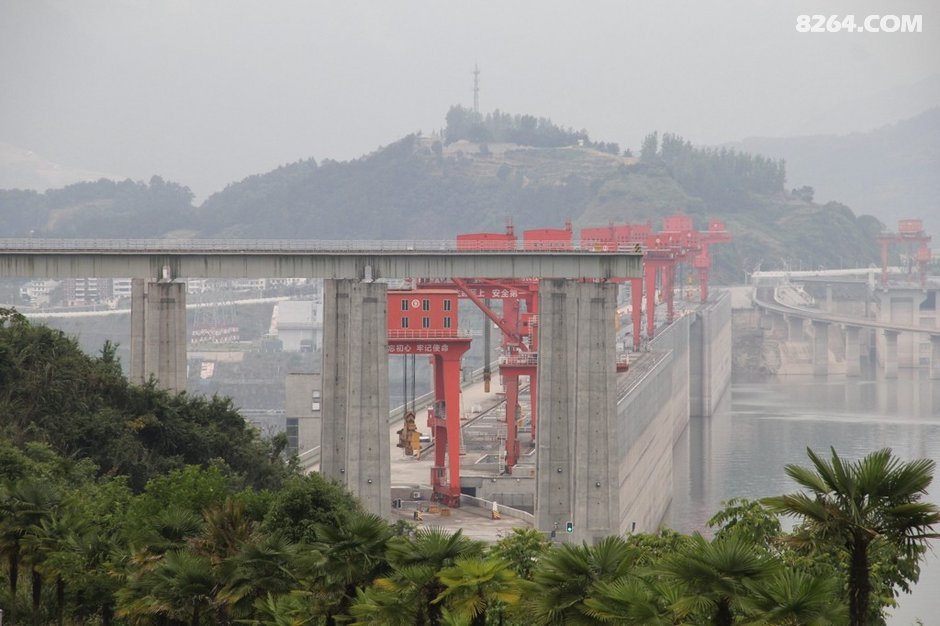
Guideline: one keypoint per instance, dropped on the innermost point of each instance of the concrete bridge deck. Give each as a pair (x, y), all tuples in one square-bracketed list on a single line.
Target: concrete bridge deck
[(357, 260)]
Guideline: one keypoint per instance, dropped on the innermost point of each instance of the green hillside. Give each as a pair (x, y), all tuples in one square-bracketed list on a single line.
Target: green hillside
[(430, 187)]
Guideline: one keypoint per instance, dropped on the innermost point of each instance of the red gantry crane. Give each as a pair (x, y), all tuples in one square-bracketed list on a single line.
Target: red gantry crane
[(424, 321), (910, 233), (517, 319)]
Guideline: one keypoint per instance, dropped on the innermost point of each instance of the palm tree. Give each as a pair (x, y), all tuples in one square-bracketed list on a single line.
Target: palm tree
[(226, 531), (262, 568), (24, 504), (407, 594), (180, 587), (226, 527), (475, 584), (566, 576), (522, 548), (855, 506), (633, 600), (96, 581), (354, 555), (278, 610), (795, 598), (711, 576), (49, 546)]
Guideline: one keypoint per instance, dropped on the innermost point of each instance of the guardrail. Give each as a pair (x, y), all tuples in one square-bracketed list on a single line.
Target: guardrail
[(247, 246), (822, 316), (502, 509), (420, 333)]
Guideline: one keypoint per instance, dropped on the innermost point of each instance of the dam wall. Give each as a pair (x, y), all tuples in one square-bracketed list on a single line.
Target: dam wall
[(651, 414), (612, 472), (709, 356), (689, 376)]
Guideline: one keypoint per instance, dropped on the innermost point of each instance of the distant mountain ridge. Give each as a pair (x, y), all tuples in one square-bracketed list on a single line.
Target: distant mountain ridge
[(892, 172)]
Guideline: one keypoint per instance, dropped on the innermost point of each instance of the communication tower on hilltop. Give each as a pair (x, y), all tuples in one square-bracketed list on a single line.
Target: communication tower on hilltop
[(476, 90)]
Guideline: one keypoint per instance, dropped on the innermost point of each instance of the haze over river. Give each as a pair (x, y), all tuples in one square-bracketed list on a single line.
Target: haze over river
[(762, 426)]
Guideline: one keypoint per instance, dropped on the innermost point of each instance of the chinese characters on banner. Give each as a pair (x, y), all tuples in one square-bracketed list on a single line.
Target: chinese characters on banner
[(425, 348)]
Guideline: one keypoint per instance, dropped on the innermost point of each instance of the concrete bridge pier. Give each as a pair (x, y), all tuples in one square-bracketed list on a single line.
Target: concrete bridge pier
[(795, 328), (935, 357), (891, 353), (577, 462), (354, 426), (820, 348), (853, 363), (158, 333), (781, 329)]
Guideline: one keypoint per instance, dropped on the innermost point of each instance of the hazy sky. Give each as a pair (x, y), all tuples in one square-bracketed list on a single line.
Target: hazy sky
[(205, 92)]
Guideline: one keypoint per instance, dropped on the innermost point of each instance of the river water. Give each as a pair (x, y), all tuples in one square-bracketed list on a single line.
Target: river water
[(763, 425)]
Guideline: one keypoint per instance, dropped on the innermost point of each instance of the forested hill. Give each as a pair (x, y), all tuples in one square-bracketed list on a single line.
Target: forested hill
[(473, 179)]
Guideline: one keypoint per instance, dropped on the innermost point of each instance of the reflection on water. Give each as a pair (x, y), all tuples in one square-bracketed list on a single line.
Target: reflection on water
[(762, 426)]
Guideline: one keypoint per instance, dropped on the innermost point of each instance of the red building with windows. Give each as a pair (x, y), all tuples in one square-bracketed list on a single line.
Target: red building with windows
[(430, 312)]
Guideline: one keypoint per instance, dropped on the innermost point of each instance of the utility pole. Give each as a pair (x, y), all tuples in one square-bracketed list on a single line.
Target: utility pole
[(476, 90)]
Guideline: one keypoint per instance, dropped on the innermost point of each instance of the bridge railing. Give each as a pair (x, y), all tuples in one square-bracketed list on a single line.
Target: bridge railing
[(247, 246), (502, 509)]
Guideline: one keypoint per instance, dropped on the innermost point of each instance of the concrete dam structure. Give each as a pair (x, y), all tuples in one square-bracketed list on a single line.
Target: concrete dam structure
[(608, 470)]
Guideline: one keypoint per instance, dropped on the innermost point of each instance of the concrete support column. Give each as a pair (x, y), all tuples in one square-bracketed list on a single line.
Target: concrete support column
[(534, 404), (636, 302), (781, 329), (935, 357), (891, 353), (577, 462), (820, 348), (650, 270), (795, 331), (511, 388), (354, 427), (853, 362), (158, 333)]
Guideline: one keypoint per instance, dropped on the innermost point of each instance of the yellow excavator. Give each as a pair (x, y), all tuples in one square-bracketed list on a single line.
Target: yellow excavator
[(408, 436)]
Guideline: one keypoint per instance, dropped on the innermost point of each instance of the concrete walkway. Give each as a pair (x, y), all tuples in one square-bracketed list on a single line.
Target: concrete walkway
[(474, 522), (415, 473)]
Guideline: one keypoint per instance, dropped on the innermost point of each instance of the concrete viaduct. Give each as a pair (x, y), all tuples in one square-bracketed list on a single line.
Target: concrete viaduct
[(577, 386), (793, 317)]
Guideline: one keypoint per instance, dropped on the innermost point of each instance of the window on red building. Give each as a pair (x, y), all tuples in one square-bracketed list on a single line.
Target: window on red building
[(404, 322), (425, 322)]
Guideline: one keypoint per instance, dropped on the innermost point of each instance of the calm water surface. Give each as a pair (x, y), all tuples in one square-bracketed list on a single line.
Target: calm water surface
[(762, 426)]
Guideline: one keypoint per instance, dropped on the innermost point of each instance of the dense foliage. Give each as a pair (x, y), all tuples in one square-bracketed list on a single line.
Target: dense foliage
[(53, 393), (721, 177), (104, 208), (523, 130)]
